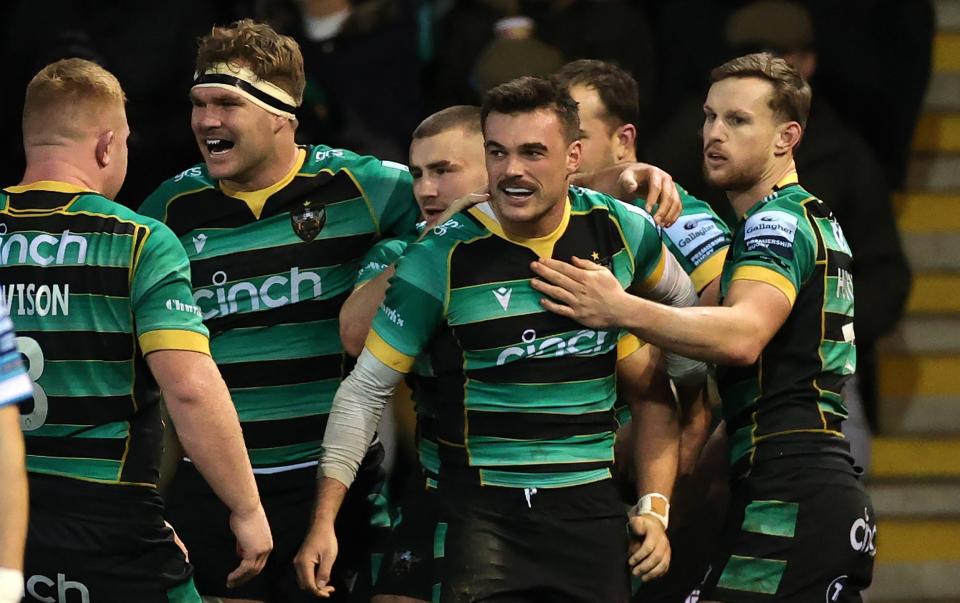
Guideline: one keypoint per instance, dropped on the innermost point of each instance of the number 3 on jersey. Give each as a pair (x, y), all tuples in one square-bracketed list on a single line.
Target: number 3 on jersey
[(31, 350)]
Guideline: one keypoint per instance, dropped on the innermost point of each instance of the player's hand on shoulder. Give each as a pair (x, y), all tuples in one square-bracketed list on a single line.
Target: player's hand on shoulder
[(254, 543), (314, 560), (649, 553), (656, 187)]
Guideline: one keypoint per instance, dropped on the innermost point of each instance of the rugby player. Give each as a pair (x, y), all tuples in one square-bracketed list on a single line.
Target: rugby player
[(15, 386), (101, 301), (800, 526), (275, 233), (608, 101), (525, 405)]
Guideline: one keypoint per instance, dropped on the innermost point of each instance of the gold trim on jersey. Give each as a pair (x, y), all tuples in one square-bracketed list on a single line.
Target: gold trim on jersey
[(787, 180), (385, 353), (55, 186), (766, 275), (174, 339), (653, 279), (542, 246), (256, 200), (627, 345), (706, 272)]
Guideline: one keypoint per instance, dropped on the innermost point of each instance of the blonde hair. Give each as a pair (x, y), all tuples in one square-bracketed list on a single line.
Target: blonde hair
[(791, 96), (272, 57), (66, 94)]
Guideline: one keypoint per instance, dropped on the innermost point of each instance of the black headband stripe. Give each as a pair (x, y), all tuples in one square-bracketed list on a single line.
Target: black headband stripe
[(221, 78)]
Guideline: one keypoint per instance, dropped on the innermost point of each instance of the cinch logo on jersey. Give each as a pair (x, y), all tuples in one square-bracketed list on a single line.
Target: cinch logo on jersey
[(863, 535), (582, 343), (773, 230), (697, 236), (41, 248), (244, 296), (42, 588)]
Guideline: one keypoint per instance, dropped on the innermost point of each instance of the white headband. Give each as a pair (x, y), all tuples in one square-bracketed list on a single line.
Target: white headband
[(247, 84)]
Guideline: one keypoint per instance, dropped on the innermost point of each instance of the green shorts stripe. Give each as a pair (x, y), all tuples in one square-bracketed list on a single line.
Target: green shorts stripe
[(771, 517), (753, 575)]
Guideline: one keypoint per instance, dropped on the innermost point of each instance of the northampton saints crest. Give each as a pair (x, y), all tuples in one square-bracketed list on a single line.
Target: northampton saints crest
[(308, 220)]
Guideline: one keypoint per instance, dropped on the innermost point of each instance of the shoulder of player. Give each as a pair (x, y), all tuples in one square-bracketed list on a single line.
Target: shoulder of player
[(321, 157), (191, 180), (97, 204)]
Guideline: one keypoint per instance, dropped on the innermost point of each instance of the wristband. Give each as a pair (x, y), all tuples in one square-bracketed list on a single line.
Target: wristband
[(11, 585), (648, 506)]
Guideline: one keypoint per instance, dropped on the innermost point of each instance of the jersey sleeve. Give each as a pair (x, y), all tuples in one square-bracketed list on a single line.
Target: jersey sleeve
[(699, 240), (380, 256), (165, 314), (389, 189), (15, 385), (643, 240), (779, 248), (412, 309)]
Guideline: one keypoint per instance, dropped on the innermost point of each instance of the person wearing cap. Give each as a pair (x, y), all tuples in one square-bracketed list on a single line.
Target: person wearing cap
[(275, 233)]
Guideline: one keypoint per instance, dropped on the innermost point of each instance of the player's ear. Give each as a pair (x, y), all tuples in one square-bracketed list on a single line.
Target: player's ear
[(788, 137), (574, 156), (104, 147), (626, 141)]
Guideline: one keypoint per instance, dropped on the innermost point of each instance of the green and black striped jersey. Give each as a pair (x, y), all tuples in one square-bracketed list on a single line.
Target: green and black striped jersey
[(791, 397), (525, 397), (271, 270), (93, 287)]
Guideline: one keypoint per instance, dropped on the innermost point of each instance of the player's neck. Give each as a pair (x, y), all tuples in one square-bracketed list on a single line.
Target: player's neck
[(59, 170), (545, 225), (743, 200), (270, 171)]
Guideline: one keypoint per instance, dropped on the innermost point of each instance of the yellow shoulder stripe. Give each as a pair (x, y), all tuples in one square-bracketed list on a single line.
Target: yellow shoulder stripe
[(627, 345), (386, 353), (174, 339), (766, 275), (704, 274)]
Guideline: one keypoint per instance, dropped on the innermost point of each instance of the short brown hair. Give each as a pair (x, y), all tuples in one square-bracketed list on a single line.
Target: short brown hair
[(528, 94), (272, 57), (617, 89), (466, 117), (791, 96), (66, 92)]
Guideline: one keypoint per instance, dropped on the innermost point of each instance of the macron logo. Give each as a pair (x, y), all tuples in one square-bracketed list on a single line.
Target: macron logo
[(199, 241), (503, 296)]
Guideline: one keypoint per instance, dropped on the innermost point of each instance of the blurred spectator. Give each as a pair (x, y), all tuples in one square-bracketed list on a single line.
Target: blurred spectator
[(149, 46), (833, 162), (611, 30), (363, 71)]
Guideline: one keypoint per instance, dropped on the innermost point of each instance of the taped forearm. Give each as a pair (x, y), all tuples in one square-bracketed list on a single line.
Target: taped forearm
[(676, 289), (354, 417)]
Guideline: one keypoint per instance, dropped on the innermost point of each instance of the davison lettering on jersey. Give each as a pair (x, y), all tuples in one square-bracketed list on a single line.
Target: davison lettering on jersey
[(39, 249)]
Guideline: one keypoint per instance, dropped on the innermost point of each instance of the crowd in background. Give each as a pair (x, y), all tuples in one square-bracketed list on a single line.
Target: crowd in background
[(375, 68)]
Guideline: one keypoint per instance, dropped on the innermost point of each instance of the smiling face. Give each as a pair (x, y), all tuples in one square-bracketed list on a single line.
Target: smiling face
[(740, 131), (237, 139), (446, 167), (528, 165)]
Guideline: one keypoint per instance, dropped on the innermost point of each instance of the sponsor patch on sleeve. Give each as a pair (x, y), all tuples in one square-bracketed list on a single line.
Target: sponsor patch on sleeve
[(772, 230), (697, 236)]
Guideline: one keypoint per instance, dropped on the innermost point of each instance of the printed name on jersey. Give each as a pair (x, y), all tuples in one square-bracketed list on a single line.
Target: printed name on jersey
[(42, 249), (585, 342), (773, 230), (275, 291), (697, 236)]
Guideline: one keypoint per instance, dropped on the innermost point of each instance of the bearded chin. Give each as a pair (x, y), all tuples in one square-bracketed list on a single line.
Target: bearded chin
[(740, 179)]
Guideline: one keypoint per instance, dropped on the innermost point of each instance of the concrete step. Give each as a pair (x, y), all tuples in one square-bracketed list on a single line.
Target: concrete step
[(910, 500), (934, 293), (948, 15), (938, 132), (946, 52), (915, 582), (921, 212), (920, 375), (943, 93), (916, 458), (923, 335), (932, 252), (934, 173), (913, 540)]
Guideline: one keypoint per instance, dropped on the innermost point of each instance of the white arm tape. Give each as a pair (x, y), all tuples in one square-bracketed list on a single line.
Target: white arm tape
[(354, 417), (676, 289), (11, 585)]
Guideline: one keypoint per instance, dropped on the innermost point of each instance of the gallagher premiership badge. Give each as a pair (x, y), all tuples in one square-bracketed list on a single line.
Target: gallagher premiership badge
[(308, 221)]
